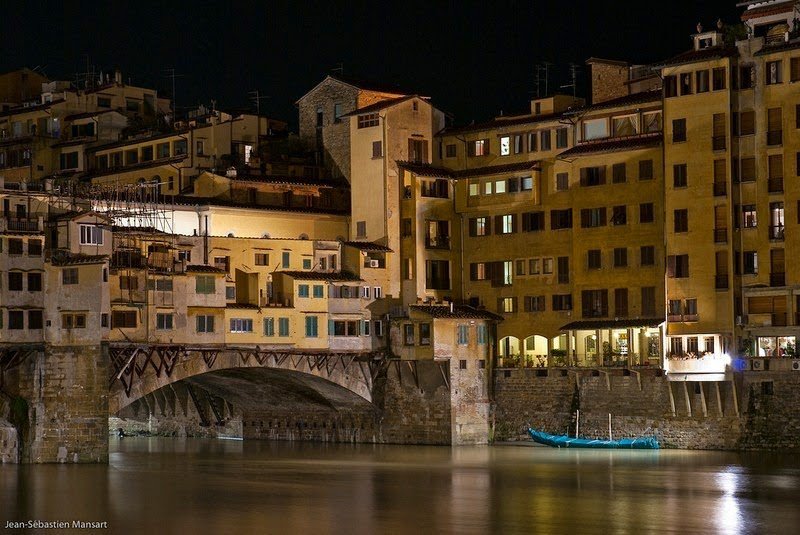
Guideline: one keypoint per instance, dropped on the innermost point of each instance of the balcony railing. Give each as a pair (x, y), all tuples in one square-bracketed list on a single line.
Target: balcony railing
[(775, 185), (777, 279), (674, 317), (437, 242), (718, 142), (720, 189), (776, 232), (691, 317), (22, 224), (775, 137), (720, 235), (721, 282)]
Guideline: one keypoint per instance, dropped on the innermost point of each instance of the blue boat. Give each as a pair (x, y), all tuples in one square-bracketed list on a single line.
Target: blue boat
[(564, 441)]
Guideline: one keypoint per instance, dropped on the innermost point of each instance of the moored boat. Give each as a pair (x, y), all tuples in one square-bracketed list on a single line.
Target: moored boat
[(564, 441)]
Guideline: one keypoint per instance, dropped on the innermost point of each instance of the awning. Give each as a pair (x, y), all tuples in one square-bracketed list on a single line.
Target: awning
[(616, 323)]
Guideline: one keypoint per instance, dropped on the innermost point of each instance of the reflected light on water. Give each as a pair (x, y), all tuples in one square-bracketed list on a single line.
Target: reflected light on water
[(729, 515)]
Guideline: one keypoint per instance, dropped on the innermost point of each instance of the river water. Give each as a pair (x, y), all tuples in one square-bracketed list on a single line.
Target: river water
[(159, 485)]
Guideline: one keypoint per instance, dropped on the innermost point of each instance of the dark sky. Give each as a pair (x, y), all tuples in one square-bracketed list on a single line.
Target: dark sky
[(473, 58)]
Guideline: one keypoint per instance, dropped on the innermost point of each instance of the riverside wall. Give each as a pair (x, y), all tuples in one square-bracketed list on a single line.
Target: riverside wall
[(754, 410)]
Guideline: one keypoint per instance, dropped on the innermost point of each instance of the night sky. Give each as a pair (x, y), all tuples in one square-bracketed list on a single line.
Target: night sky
[(473, 58)]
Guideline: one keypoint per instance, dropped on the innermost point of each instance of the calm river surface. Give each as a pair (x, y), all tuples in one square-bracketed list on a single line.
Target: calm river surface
[(158, 485)]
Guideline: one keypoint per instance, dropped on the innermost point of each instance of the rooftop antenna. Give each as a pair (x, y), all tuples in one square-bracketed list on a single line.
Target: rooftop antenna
[(573, 74), (170, 73), (340, 68), (541, 74), (257, 97)]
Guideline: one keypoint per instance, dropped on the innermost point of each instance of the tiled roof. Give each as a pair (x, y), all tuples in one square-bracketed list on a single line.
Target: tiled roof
[(136, 167), (783, 46), (627, 100), (242, 305), (695, 56), (380, 105), (321, 276), (772, 8), (501, 122), (368, 246), (616, 323), (457, 312), (77, 259), (26, 109), (440, 172), (641, 141), (286, 180), (199, 268), (86, 115)]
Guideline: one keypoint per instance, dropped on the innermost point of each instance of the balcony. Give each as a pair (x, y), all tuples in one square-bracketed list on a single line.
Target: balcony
[(437, 242), (674, 318), (721, 282), (720, 189), (23, 224), (718, 143), (775, 137), (720, 235), (775, 185), (776, 232), (777, 279)]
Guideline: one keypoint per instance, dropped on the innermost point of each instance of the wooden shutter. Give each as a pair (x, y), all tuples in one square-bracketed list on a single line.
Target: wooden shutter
[(473, 227), (671, 266), (584, 176), (586, 303), (604, 302)]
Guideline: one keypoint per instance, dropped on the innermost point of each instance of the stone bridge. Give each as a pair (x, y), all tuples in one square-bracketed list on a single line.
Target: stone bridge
[(165, 379)]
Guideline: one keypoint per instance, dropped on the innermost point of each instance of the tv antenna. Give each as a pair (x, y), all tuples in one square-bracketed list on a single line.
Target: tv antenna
[(540, 77), (170, 73), (573, 74)]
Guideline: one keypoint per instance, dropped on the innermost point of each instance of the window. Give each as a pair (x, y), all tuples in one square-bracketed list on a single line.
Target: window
[(367, 120), (269, 326), (593, 217), (343, 328), (618, 173), (424, 334), (774, 126), (162, 150), (718, 136), (562, 181), (533, 266), (481, 334), (479, 226), (646, 213), (621, 302), (230, 293), (545, 140), (679, 179), (69, 160), (241, 325), (205, 324), (513, 185), (361, 229), (35, 319), (318, 291), (312, 328), (678, 130), (501, 273), (594, 303), (520, 267), (179, 147), (204, 284), (749, 216), (701, 81), (532, 137), (34, 247), (302, 290), (595, 129), (750, 259), (15, 281), (73, 321), (337, 112), (123, 319), (652, 121), (14, 246), (517, 144), (619, 215), (794, 69), (377, 149), (526, 183), (34, 282), (479, 147), (560, 219), (594, 259), (690, 314), (561, 138), (506, 305), (16, 319), (534, 303), (377, 325), (745, 123), (532, 221), (681, 220), (69, 276), (365, 327), (593, 176), (505, 146), (678, 266), (774, 72), (164, 321), (506, 224), (283, 326), (562, 302), (685, 82), (620, 257), (487, 188), (670, 86), (91, 235), (462, 335), (450, 150), (262, 259), (437, 275), (718, 78), (648, 301), (547, 266), (408, 334), (625, 125), (647, 255), (377, 292), (563, 270), (306, 263)]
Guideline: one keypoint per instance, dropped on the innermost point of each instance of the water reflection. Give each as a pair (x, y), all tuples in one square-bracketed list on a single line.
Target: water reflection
[(171, 485)]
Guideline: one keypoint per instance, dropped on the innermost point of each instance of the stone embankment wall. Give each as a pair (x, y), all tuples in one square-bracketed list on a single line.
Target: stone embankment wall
[(755, 411), (59, 405)]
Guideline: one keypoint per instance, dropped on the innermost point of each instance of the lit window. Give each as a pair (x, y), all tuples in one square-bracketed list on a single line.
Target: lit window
[(505, 146)]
